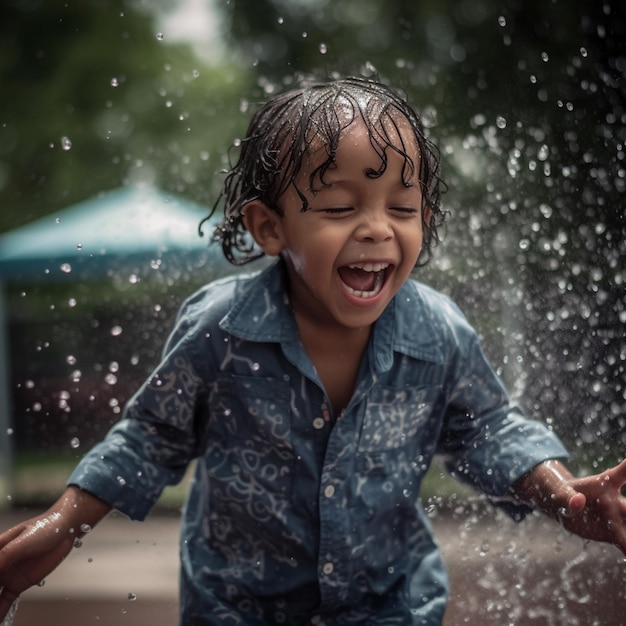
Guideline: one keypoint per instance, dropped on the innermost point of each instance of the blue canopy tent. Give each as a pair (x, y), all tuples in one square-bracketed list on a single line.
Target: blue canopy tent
[(137, 230)]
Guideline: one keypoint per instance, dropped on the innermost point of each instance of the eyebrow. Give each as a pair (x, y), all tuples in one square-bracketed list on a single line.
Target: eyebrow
[(345, 182)]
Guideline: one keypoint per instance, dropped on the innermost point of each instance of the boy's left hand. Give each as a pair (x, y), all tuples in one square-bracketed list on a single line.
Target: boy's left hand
[(592, 507), (597, 510)]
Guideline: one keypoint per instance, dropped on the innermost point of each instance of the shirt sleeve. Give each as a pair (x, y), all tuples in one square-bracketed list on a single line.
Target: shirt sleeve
[(487, 441), (153, 443)]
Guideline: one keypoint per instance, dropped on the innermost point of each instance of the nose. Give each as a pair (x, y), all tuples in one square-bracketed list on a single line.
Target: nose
[(374, 226)]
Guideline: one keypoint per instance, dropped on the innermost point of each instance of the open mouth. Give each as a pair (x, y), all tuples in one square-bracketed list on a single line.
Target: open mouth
[(363, 280)]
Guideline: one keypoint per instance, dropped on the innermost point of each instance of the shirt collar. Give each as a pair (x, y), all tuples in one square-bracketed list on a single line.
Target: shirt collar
[(261, 312), (261, 309)]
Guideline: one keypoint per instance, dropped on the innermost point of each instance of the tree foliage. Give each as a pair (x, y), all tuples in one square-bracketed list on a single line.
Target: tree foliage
[(94, 98)]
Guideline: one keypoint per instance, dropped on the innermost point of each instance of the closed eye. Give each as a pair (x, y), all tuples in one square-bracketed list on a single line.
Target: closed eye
[(404, 210), (338, 210)]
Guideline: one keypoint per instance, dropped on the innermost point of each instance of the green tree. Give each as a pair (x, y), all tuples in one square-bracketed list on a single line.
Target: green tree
[(94, 97)]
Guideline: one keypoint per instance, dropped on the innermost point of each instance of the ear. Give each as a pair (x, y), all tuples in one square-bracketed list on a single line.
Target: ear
[(427, 214), (265, 225)]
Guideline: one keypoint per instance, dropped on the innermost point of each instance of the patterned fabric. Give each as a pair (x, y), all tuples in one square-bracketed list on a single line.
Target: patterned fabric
[(294, 517)]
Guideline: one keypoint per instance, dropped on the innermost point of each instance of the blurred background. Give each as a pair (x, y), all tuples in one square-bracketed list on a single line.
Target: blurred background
[(117, 116)]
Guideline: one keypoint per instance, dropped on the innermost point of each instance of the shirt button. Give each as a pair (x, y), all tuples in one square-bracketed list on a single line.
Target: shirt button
[(328, 568), (329, 492), (318, 423)]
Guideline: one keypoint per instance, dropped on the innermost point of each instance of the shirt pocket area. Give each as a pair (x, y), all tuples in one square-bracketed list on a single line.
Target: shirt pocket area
[(396, 445), (397, 418), (250, 434)]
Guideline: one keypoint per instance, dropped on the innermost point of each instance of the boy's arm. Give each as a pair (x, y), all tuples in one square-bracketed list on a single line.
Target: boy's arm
[(32, 549), (592, 507)]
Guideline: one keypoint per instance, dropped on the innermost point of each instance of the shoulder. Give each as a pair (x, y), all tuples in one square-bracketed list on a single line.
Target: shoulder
[(202, 312), (215, 298)]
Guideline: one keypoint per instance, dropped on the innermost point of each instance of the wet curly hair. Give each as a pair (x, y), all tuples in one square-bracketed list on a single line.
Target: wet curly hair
[(281, 133)]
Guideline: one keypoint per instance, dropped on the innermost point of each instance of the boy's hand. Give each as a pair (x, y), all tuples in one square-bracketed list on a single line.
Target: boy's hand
[(598, 510), (592, 507), (33, 549), (28, 553)]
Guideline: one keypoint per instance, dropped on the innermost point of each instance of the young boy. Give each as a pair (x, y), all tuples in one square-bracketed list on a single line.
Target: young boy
[(314, 394)]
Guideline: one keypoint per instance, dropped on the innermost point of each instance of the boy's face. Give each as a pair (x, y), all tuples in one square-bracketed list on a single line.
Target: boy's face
[(350, 252)]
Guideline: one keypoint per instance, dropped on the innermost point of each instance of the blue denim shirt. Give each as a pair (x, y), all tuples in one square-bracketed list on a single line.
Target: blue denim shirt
[(294, 516)]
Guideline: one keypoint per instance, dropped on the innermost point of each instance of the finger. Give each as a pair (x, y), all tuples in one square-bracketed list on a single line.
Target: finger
[(7, 598), (576, 505), (618, 473), (8, 535), (620, 537), (5, 540)]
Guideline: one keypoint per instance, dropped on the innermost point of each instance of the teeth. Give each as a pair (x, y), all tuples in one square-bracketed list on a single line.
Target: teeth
[(369, 267)]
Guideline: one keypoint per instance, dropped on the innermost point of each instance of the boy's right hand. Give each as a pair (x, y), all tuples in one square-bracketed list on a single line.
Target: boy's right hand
[(34, 548)]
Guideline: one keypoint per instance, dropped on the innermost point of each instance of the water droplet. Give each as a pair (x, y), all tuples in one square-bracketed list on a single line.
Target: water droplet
[(281, 20), (323, 48), (79, 246), (78, 543), (110, 379), (71, 302), (121, 481), (114, 366), (85, 528), (502, 20), (583, 52), (545, 57), (256, 367), (66, 268), (133, 279), (160, 36), (70, 359), (66, 143), (75, 443), (132, 596), (500, 122), (116, 331), (115, 82)]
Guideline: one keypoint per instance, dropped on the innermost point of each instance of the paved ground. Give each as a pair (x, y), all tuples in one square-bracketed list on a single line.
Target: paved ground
[(501, 574)]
